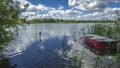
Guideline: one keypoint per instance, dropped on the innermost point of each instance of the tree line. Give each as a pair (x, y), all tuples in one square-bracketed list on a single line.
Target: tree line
[(51, 20)]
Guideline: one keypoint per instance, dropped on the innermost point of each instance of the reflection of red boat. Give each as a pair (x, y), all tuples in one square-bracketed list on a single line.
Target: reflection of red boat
[(100, 43)]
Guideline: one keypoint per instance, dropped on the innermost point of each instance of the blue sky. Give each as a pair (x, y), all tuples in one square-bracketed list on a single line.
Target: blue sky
[(51, 3), (56, 3), (114, 5), (72, 9)]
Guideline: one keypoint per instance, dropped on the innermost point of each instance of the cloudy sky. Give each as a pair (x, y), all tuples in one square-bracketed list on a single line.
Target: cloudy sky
[(71, 9)]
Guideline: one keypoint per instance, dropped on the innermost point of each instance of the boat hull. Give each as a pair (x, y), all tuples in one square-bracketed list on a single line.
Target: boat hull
[(100, 45)]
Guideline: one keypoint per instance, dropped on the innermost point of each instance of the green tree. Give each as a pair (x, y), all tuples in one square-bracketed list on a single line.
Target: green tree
[(9, 18)]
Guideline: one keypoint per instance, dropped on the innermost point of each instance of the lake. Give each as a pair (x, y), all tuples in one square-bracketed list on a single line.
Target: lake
[(53, 45)]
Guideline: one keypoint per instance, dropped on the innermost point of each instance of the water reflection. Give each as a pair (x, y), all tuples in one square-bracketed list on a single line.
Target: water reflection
[(5, 63), (30, 33), (52, 46), (40, 53)]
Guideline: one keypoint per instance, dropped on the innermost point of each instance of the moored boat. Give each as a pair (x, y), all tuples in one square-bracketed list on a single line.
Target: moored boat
[(100, 43)]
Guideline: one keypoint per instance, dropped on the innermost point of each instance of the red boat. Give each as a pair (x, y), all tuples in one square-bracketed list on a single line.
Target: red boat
[(100, 43)]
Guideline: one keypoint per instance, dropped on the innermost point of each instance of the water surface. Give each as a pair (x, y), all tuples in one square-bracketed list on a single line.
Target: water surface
[(42, 46)]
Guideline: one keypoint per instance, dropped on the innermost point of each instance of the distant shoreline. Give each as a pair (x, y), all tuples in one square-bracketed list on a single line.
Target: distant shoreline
[(50, 20)]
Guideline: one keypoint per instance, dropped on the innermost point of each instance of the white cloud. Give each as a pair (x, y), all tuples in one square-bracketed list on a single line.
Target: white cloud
[(112, 10), (73, 12), (60, 7), (63, 14), (31, 7), (22, 3), (28, 13), (90, 5), (36, 7), (42, 11)]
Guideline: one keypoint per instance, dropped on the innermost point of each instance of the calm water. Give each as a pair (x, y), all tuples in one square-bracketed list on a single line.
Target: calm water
[(31, 50)]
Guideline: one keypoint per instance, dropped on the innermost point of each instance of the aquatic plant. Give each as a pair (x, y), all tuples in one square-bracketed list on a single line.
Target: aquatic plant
[(109, 31), (97, 63), (77, 57), (64, 53)]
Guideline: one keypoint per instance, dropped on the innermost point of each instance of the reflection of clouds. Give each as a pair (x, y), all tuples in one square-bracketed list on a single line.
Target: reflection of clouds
[(70, 41), (42, 47), (29, 33), (81, 51), (52, 36), (62, 29)]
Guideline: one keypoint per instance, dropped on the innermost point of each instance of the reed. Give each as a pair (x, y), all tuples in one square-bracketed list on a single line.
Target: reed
[(111, 32)]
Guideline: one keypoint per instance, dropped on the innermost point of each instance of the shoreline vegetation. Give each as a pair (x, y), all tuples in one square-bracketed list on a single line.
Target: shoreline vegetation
[(51, 20)]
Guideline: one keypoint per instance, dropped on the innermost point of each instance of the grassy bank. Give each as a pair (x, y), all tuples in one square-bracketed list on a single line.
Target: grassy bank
[(110, 32)]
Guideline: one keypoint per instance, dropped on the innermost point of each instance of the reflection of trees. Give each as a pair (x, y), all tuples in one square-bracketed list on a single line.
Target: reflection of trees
[(5, 63), (60, 56)]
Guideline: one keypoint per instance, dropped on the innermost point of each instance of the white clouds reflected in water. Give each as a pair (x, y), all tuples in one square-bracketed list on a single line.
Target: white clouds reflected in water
[(30, 33), (52, 36)]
